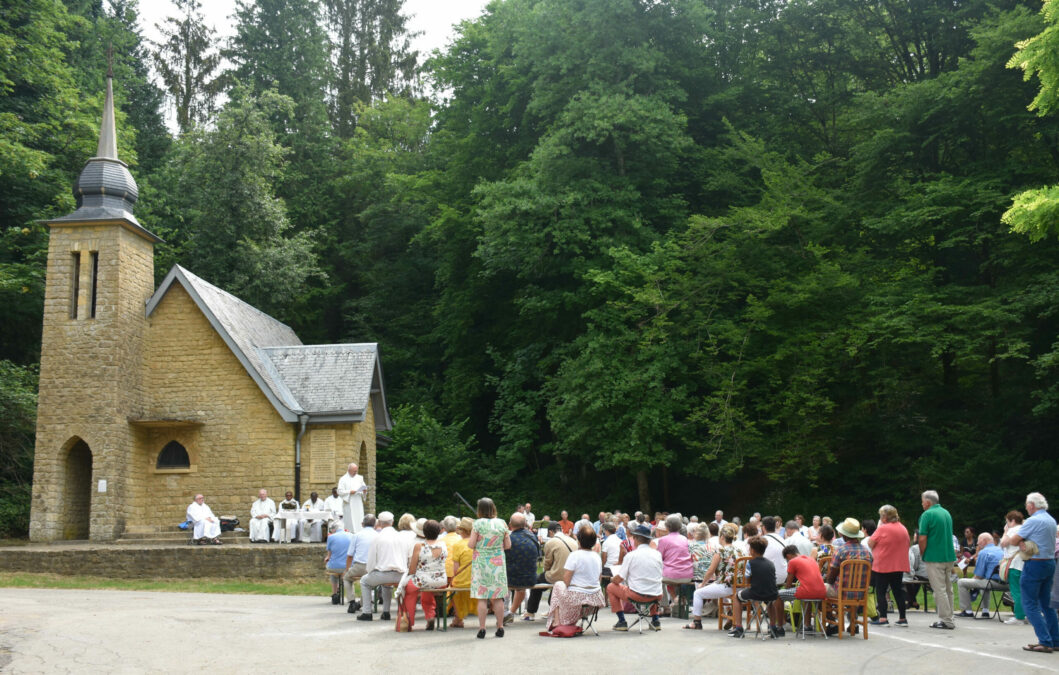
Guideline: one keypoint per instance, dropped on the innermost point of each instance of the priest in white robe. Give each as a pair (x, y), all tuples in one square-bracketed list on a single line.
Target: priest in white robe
[(286, 529), (262, 512), (351, 489), (207, 525), (334, 505), (313, 530)]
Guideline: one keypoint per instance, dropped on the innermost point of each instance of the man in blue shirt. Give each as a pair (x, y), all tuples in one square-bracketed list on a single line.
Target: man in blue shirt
[(985, 578), (356, 562), (337, 546), (1036, 579)]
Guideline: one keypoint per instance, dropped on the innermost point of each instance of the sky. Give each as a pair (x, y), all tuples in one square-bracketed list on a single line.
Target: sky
[(434, 18)]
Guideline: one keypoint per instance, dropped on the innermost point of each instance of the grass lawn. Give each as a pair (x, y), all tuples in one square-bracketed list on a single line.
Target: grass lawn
[(320, 588)]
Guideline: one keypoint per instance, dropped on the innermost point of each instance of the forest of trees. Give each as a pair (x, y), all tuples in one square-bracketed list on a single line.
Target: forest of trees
[(782, 255)]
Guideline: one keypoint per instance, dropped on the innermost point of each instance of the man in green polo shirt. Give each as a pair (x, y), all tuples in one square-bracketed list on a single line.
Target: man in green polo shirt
[(935, 543)]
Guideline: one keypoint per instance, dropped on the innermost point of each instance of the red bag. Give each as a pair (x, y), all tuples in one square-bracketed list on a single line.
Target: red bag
[(562, 632)]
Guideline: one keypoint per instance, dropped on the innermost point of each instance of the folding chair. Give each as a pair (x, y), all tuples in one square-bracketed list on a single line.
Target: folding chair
[(814, 608), (589, 614), (852, 585), (643, 611), (994, 587)]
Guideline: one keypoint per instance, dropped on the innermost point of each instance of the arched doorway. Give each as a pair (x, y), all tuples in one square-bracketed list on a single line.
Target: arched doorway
[(362, 460), (77, 498)]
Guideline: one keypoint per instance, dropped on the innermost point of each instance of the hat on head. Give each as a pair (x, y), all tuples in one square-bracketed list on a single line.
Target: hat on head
[(417, 527), (641, 531), (466, 525), (850, 529)]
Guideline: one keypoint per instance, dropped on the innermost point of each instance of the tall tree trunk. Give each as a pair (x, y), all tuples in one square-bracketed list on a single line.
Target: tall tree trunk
[(644, 492), (666, 504)]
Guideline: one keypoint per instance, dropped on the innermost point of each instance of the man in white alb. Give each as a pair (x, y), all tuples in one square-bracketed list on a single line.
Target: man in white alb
[(351, 489), (207, 525), (262, 511), (334, 505), (286, 529), (313, 530)]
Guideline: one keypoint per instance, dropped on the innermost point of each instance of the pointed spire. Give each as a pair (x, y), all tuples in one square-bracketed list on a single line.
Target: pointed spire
[(108, 137)]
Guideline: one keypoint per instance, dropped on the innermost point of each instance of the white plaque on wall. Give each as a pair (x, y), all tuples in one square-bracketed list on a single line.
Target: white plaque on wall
[(102, 485)]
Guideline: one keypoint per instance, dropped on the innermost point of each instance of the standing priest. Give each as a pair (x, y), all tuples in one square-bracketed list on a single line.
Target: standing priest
[(351, 489)]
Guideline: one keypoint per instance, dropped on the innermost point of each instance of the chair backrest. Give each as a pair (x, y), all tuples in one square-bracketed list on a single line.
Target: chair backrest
[(853, 579), (740, 579), (824, 562)]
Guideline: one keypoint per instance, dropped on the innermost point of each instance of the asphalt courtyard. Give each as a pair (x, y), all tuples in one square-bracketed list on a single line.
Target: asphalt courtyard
[(59, 631)]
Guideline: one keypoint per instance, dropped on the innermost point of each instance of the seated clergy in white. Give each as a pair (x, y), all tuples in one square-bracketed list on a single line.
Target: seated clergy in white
[(313, 530), (334, 505), (207, 525), (261, 513), (289, 503)]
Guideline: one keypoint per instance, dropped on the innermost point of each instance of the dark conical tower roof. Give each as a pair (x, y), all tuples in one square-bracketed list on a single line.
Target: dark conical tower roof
[(105, 190)]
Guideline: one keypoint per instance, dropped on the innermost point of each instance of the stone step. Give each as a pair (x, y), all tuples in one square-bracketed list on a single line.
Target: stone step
[(179, 541)]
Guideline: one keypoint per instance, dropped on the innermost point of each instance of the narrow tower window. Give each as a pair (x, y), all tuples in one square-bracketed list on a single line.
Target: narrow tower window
[(75, 283), (95, 276)]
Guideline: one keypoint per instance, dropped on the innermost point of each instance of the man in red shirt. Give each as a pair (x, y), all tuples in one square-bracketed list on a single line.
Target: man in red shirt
[(806, 572)]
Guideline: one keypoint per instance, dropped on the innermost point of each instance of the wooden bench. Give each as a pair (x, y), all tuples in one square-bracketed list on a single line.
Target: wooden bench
[(443, 602), (927, 590)]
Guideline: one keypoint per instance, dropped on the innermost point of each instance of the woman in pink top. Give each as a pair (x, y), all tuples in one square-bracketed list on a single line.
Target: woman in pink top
[(889, 550), (677, 567)]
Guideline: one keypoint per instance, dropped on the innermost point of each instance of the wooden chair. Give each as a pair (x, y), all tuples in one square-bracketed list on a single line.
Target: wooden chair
[(724, 605), (824, 562), (852, 585)]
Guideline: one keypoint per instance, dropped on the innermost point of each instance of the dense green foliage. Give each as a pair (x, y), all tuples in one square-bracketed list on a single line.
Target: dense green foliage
[(678, 254)]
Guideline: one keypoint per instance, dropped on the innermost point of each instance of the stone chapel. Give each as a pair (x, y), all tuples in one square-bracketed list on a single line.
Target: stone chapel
[(151, 395)]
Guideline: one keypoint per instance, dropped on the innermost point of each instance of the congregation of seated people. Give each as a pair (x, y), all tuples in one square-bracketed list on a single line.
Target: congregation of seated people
[(562, 572)]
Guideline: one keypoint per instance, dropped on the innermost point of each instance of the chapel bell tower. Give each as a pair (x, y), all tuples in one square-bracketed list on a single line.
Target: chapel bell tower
[(100, 274)]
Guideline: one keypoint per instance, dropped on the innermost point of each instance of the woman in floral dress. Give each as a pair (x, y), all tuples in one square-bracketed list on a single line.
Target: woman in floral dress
[(427, 567), (489, 539)]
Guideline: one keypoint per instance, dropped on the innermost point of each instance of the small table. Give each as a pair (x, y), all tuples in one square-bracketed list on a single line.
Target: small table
[(299, 515)]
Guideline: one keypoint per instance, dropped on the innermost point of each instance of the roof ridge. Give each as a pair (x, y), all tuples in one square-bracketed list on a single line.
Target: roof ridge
[(333, 344), (196, 278)]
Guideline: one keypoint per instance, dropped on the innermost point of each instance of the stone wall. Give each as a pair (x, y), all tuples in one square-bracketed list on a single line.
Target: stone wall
[(279, 562)]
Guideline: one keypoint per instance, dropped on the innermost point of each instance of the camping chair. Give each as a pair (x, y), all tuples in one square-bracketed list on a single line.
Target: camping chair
[(643, 611), (852, 585), (589, 614)]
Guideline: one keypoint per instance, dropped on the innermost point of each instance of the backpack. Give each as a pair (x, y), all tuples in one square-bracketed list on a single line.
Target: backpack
[(562, 632)]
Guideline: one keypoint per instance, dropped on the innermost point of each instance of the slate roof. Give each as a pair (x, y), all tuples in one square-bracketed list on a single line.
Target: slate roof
[(331, 379), (327, 382)]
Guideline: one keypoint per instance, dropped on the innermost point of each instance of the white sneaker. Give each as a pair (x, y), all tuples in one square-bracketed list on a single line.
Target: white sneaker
[(1015, 622)]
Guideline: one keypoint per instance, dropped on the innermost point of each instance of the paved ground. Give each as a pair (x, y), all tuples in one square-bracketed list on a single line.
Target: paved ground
[(58, 631)]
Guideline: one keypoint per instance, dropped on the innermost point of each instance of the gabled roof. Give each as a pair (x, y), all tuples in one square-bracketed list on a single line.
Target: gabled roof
[(330, 383)]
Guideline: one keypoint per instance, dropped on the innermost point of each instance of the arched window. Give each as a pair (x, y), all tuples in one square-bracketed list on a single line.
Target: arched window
[(173, 456)]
